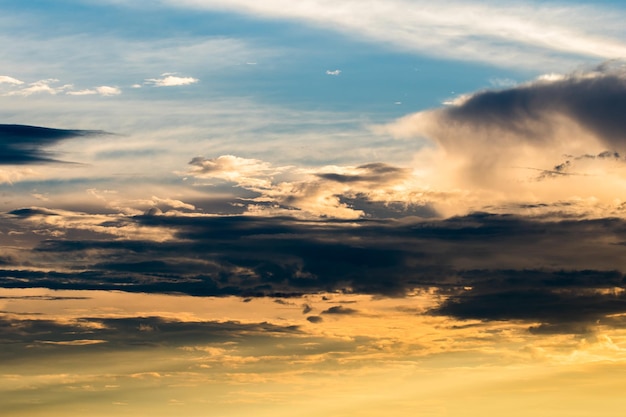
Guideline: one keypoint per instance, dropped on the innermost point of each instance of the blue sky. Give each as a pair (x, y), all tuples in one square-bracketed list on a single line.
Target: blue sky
[(312, 207), (292, 54)]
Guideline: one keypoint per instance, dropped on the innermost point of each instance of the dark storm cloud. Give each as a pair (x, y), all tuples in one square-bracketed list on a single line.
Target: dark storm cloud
[(491, 267), (31, 212), (553, 308), (44, 340), (388, 210), (596, 100), (42, 298), (20, 144)]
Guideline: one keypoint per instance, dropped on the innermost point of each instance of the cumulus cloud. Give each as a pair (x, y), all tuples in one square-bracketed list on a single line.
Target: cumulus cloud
[(250, 173), (170, 80), (333, 72), (330, 191), (504, 140)]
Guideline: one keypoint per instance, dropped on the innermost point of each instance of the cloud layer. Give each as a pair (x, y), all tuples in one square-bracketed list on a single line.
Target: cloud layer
[(502, 35), (489, 267)]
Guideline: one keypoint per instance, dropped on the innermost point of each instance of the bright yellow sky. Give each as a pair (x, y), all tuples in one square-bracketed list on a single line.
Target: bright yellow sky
[(383, 356)]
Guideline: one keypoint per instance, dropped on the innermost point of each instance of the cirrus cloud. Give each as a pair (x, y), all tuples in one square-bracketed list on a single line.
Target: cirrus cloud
[(488, 32)]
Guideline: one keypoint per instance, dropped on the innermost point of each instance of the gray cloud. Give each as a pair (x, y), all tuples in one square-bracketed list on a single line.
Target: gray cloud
[(486, 266), (596, 101), (21, 144), (340, 310), (369, 173)]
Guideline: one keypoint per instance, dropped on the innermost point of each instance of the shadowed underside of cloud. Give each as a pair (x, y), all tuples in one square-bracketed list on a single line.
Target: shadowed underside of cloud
[(340, 310), (20, 144), (494, 137), (346, 192), (484, 266), (131, 333), (596, 101)]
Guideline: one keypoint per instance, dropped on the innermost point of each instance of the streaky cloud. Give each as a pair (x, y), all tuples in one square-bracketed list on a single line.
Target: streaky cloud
[(23, 144), (487, 32), (482, 266)]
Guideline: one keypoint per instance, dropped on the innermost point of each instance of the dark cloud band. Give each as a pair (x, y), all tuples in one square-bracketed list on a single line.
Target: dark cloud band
[(20, 144), (484, 266)]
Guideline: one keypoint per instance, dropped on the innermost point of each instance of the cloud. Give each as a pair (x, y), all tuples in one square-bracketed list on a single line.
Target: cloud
[(249, 173), (5, 79), (93, 334), (41, 87), (330, 191), (479, 266), (340, 310), (503, 35), (333, 72), (170, 80), (48, 86), (503, 141), (24, 144), (11, 176), (557, 311), (102, 90)]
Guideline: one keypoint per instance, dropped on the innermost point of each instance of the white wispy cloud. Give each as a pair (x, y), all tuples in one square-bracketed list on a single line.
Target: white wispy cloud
[(5, 79), (51, 86), (9, 176), (171, 80), (530, 34), (103, 90), (41, 87), (333, 72)]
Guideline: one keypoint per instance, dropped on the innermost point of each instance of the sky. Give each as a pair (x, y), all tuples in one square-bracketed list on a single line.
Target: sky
[(302, 208)]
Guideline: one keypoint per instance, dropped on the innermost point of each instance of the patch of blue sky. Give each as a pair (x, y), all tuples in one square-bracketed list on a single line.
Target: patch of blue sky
[(278, 62)]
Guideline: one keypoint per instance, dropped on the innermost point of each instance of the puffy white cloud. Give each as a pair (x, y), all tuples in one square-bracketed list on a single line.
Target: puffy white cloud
[(333, 72)]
